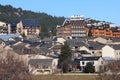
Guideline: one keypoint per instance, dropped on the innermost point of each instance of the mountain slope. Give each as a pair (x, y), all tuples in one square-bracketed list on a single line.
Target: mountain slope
[(10, 14)]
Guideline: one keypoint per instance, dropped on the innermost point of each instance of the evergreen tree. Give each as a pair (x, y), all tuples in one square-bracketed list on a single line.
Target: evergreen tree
[(65, 58), (89, 68), (10, 14), (90, 32)]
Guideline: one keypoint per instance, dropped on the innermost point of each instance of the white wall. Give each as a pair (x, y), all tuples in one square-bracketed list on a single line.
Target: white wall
[(101, 40), (84, 48), (97, 63), (2, 23), (117, 54), (108, 52), (61, 40)]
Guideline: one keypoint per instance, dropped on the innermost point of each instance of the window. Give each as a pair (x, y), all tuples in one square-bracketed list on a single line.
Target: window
[(83, 62), (101, 62)]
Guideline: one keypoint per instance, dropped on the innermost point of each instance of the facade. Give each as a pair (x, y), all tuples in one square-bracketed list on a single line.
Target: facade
[(65, 30), (111, 52), (42, 66), (72, 28), (14, 28), (113, 32), (4, 28), (77, 26), (31, 27), (79, 64), (26, 27), (101, 32)]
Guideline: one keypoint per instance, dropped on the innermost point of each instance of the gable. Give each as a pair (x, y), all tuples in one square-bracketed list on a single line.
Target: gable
[(100, 39), (84, 48), (107, 47)]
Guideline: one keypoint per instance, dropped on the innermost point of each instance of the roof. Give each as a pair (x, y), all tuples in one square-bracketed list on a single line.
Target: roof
[(14, 24), (82, 42), (85, 59), (115, 46), (115, 40), (1, 41), (21, 49), (31, 22), (114, 29), (57, 47), (95, 45), (83, 52), (46, 62), (75, 42), (6, 37), (44, 47)]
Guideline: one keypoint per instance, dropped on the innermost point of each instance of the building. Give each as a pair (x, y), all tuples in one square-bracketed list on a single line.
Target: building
[(111, 52), (26, 27), (4, 28), (112, 32), (72, 28), (77, 26), (42, 66), (31, 26), (79, 64), (16, 27), (64, 30)]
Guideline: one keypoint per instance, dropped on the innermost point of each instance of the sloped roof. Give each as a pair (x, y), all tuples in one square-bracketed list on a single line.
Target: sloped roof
[(75, 42), (115, 40), (114, 29), (14, 23), (95, 45), (46, 62), (31, 22), (1, 41), (6, 37), (115, 46), (85, 59)]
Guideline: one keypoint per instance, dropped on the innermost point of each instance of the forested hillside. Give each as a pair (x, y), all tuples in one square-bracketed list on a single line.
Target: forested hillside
[(10, 14)]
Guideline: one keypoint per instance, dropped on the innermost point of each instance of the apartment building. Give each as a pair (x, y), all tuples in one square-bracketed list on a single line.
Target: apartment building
[(31, 26), (64, 30), (77, 26), (113, 32), (73, 27), (27, 27)]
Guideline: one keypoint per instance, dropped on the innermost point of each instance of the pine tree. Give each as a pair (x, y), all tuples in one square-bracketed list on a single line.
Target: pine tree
[(89, 33), (65, 58)]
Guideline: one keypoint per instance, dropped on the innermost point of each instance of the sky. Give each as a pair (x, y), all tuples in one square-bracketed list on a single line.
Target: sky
[(105, 10)]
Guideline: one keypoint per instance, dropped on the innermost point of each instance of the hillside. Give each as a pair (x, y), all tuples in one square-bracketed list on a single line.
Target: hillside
[(10, 14)]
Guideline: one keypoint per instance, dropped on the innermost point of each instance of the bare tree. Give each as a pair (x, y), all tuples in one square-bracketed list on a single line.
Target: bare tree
[(110, 71), (13, 69)]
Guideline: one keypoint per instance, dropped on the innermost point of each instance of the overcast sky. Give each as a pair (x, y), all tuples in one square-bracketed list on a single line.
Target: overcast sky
[(107, 10)]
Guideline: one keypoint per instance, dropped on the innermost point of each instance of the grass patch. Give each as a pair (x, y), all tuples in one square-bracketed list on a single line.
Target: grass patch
[(64, 77)]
